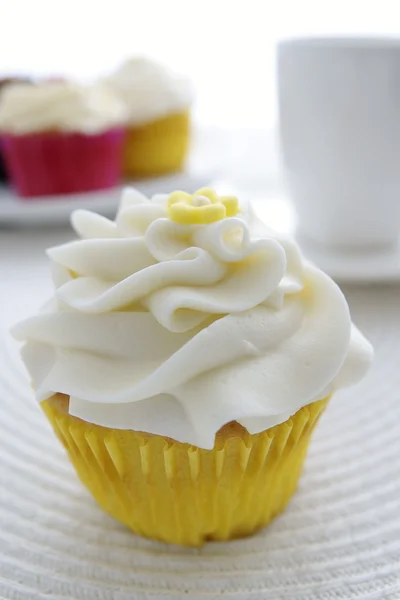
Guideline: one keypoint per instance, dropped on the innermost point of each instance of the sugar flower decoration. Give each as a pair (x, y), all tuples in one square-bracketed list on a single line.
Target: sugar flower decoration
[(201, 208)]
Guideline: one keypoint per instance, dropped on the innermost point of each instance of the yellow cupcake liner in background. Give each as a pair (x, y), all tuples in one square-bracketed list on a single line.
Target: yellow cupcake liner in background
[(177, 493), (158, 147)]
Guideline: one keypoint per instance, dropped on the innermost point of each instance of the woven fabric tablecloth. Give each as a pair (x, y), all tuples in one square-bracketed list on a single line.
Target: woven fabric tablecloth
[(338, 539)]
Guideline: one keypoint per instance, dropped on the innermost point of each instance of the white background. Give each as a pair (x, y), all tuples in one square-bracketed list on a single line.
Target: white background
[(227, 46)]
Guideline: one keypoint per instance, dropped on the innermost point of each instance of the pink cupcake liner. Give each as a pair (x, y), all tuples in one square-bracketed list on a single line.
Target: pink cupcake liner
[(44, 164), (3, 172)]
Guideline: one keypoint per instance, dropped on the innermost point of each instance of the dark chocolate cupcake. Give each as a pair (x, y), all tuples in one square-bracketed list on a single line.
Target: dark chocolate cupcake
[(4, 82)]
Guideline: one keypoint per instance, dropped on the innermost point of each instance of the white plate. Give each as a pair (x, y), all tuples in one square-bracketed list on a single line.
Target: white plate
[(55, 210), (367, 266)]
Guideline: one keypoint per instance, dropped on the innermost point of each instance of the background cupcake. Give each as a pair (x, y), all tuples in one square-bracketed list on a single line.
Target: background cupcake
[(158, 102), (4, 82), (60, 137)]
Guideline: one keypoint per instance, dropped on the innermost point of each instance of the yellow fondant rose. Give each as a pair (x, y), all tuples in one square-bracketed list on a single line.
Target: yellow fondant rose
[(203, 207)]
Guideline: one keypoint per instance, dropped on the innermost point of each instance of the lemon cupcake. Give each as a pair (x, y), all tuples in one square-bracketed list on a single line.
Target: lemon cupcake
[(60, 137), (184, 362), (158, 103)]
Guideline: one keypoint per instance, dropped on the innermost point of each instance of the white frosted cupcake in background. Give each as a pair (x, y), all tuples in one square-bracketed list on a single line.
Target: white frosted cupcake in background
[(158, 103), (60, 137)]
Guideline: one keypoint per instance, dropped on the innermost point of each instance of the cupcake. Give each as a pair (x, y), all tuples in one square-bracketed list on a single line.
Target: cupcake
[(158, 103), (184, 361), (3, 171), (61, 137), (4, 82)]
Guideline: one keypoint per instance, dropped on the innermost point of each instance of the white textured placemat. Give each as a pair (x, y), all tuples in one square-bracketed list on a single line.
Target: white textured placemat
[(338, 539)]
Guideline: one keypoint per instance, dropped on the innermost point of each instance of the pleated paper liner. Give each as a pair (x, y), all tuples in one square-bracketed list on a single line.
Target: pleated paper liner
[(158, 147), (177, 493), (53, 163)]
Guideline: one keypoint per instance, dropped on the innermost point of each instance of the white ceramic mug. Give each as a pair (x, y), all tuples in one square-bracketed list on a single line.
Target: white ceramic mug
[(339, 110)]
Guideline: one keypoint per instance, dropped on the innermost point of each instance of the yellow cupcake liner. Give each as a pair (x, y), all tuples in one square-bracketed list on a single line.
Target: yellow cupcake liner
[(177, 493), (158, 147)]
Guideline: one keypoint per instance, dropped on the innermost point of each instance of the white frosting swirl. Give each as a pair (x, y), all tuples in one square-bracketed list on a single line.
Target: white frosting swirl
[(150, 90), (178, 329), (60, 106)]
